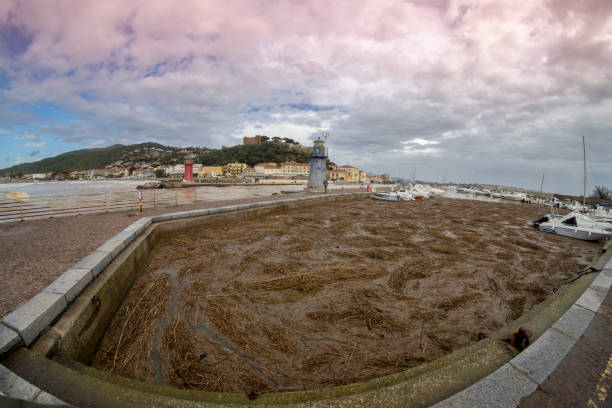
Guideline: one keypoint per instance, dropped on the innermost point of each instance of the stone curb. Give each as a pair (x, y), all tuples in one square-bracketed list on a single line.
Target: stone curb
[(525, 372), (31, 318), (71, 283), (8, 339), (24, 324)]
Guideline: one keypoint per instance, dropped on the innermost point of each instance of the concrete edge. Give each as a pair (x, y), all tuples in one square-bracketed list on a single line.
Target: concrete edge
[(526, 371), (14, 386), (34, 316), (9, 338)]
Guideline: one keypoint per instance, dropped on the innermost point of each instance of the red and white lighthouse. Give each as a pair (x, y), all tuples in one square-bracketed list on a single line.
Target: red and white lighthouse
[(188, 177)]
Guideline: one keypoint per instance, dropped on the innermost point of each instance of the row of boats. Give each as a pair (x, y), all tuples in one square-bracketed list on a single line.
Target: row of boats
[(583, 222), (412, 192), (592, 224), (514, 196)]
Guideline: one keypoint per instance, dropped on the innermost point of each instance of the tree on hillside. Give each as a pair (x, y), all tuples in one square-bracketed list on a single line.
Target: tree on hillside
[(602, 193), (253, 154)]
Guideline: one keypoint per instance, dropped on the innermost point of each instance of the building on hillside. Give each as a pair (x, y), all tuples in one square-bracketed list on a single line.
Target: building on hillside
[(353, 173), (118, 172), (176, 171), (98, 173), (143, 173), (293, 168), (257, 139), (363, 176), (386, 178), (211, 171), (165, 168), (267, 169), (374, 178), (234, 169), (77, 174), (339, 176)]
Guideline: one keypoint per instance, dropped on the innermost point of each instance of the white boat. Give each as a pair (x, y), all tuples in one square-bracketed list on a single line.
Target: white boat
[(574, 225), (437, 191), (404, 194), (483, 193), (386, 196), (601, 213), (516, 196), (425, 190)]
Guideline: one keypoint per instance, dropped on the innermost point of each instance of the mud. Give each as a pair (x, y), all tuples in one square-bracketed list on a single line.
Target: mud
[(333, 294)]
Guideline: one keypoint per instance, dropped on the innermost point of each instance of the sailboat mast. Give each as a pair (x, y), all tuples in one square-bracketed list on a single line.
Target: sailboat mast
[(585, 174), (542, 184)]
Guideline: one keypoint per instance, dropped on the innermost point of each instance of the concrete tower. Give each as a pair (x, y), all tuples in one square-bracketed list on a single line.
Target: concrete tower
[(318, 166)]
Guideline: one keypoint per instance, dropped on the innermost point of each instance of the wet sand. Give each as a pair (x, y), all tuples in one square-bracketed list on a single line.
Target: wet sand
[(333, 294)]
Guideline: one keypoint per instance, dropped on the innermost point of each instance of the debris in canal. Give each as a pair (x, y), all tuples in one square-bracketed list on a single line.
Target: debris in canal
[(332, 294)]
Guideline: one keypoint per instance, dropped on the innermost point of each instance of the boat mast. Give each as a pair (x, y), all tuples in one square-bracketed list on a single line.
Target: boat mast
[(542, 184), (585, 174)]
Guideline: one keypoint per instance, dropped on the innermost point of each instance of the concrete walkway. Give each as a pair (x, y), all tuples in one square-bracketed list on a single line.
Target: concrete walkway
[(584, 377)]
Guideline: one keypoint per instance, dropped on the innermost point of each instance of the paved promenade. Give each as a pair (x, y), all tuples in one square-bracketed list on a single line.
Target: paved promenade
[(34, 253), (584, 377)]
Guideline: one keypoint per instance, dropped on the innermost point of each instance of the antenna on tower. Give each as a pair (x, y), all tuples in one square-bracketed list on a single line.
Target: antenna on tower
[(325, 136)]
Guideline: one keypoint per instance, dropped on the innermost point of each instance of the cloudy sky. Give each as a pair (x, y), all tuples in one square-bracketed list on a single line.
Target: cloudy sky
[(491, 91)]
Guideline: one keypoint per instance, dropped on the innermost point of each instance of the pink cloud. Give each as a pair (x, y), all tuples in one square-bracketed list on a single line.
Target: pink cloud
[(402, 70)]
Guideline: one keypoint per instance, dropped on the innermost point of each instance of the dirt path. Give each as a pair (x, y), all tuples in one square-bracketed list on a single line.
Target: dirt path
[(333, 294), (34, 253)]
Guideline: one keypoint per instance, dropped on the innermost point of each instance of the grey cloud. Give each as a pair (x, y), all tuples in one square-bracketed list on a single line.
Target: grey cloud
[(506, 98)]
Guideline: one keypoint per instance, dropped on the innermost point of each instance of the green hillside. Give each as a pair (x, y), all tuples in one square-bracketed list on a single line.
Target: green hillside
[(252, 154), (79, 159), (84, 159)]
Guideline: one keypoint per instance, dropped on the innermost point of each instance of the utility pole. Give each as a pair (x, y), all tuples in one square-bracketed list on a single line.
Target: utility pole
[(585, 173), (542, 184)]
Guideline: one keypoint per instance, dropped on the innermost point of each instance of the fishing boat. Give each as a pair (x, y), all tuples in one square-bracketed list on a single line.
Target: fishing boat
[(574, 225)]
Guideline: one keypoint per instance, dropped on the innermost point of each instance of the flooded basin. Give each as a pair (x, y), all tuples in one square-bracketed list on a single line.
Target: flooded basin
[(332, 294)]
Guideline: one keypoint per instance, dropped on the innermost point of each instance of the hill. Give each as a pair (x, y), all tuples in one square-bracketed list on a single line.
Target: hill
[(85, 159), (265, 152), (153, 153)]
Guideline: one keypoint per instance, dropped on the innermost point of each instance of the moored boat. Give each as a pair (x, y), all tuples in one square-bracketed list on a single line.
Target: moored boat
[(386, 196), (404, 194), (574, 225)]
